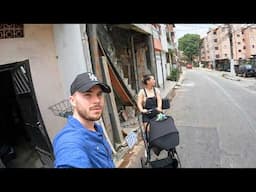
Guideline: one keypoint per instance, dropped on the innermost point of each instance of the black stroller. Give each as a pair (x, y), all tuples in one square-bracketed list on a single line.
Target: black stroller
[(162, 135)]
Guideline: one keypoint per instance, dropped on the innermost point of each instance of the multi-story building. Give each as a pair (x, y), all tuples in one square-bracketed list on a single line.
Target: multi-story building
[(239, 44), (172, 50), (249, 34), (226, 42)]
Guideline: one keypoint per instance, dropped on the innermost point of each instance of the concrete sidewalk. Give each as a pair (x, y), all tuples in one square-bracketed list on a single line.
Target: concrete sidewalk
[(132, 158), (225, 74)]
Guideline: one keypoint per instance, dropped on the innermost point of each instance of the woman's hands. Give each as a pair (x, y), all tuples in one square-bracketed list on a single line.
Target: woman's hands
[(145, 111)]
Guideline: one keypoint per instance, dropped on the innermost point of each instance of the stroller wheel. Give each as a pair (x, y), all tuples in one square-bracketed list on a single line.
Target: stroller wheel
[(175, 163)]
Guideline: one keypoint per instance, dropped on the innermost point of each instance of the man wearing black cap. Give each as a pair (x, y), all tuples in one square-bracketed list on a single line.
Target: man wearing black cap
[(81, 143)]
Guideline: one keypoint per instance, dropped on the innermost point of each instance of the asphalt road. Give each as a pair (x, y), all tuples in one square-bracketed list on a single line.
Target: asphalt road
[(216, 119)]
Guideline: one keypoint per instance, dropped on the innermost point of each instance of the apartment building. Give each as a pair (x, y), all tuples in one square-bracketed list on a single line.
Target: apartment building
[(172, 50), (226, 42), (249, 38)]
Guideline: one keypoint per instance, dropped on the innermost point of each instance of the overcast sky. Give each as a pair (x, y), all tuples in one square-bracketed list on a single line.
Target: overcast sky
[(200, 29)]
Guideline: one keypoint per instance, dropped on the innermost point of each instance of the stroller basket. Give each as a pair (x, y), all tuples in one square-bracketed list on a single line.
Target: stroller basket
[(165, 163), (163, 134)]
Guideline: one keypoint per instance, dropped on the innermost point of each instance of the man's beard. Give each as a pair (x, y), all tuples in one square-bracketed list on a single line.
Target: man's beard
[(86, 117)]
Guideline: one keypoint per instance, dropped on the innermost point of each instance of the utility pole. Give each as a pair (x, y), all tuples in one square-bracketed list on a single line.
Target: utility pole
[(212, 51), (199, 52), (232, 69)]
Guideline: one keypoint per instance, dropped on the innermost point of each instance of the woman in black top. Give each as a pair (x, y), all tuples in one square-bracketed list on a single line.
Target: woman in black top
[(149, 98)]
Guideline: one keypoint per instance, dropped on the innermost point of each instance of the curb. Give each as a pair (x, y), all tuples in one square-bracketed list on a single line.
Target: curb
[(230, 77)]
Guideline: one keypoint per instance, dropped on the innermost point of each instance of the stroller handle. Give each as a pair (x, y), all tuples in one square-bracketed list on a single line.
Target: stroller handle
[(151, 111)]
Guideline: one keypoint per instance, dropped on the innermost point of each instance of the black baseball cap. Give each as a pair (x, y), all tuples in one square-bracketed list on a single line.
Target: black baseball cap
[(85, 81)]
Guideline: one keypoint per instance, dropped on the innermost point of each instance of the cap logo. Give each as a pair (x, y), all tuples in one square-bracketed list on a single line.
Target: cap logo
[(92, 77)]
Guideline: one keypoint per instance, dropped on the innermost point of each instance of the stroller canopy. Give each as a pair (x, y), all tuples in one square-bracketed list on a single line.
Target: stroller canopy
[(163, 134)]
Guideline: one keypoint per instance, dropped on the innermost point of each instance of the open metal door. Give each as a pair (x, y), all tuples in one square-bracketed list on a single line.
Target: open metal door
[(30, 112)]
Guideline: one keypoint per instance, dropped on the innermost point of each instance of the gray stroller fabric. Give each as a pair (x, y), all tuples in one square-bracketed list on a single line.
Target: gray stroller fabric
[(163, 134)]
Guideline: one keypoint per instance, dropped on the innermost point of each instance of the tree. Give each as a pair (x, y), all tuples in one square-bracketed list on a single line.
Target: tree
[(190, 45)]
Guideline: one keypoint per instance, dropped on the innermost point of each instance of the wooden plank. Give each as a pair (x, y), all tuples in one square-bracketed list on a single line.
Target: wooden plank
[(115, 122), (118, 88)]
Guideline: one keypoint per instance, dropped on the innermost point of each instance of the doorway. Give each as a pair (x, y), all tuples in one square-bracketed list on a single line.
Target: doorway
[(24, 142)]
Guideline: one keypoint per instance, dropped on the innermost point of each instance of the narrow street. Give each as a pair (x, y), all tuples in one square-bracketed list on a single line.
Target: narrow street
[(216, 119)]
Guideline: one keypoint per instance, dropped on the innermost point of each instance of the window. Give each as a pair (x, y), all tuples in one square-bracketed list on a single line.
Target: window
[(216, 48), (8, 31)]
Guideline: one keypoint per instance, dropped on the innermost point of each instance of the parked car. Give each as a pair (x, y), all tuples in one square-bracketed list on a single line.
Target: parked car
[(246, 70), (189, 66)]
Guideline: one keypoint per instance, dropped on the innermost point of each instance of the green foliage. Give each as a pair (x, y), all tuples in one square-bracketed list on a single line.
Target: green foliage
[(174, 75), (195, 64), (190, 45)]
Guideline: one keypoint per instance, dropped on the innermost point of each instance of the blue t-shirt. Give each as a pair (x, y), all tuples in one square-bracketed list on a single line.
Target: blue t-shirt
[(78, 147)]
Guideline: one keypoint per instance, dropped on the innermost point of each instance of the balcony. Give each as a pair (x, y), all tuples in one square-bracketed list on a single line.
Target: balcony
[(170, 46)]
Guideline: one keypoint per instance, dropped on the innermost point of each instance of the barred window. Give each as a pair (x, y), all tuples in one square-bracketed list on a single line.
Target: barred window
[(11, 31)]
